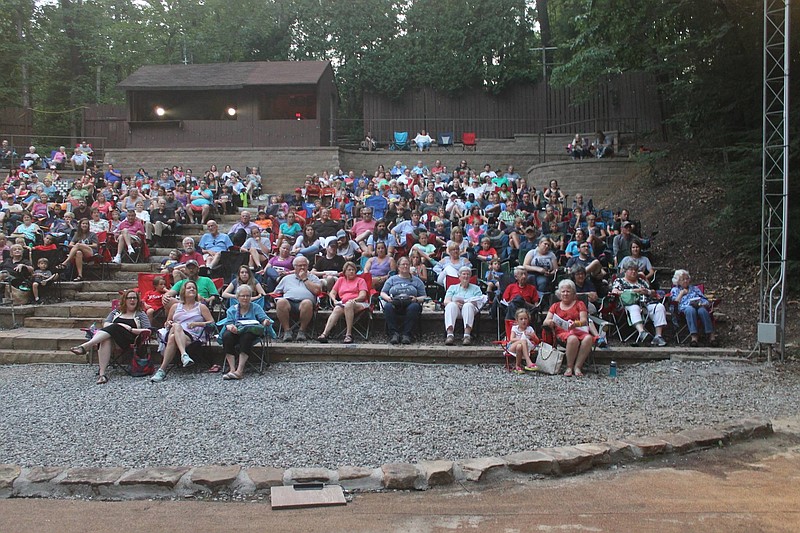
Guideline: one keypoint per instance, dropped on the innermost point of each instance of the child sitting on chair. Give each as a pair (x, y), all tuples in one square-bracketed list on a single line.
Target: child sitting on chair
[(41, 277), (522, 342), (170, 261), (153, 300)]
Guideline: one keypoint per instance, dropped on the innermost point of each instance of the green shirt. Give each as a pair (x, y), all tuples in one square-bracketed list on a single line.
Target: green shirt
[(205, 287)]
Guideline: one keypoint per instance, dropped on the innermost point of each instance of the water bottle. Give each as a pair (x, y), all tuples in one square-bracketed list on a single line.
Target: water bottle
[(612, 370)]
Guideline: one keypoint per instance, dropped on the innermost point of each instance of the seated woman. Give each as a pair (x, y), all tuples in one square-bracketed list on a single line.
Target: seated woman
[(244, 277), (83, 245), (462, 300), (121, 327), (277, 267), (642, 263), (258, 246), (569, 320), (450, 264), (185, 324), (201, 202), (308, 239), (328, 267), (27, 230), (541, 265), (349, 297), (289, 230), (129, 232), (694, 305), (15, 269), (240, 338), (380, 265), (640, 293), (417, 267)]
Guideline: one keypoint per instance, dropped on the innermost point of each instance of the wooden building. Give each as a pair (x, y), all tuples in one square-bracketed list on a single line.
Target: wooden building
[(256, 104)]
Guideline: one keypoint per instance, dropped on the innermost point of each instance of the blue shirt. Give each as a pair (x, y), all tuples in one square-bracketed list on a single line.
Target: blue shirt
[(220, 243)]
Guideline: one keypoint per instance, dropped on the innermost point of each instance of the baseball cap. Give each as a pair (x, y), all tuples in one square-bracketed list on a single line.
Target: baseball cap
[(626, 224), (298, 190), (341, 233), (191, 262)]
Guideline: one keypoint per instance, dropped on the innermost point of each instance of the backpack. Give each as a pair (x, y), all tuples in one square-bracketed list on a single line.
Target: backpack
[(141, 363)]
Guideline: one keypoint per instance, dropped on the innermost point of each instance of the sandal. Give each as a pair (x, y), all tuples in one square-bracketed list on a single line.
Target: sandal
[(568, 373), (102, 380), (322, 338), (519, 370), (348, 339), (531, 368), (214, 369), (578, 373), (231, 375), (78, 350), (78, 278), (61, 266)]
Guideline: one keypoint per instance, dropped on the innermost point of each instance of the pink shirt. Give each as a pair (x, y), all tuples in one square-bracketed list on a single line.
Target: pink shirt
[(348, 290)]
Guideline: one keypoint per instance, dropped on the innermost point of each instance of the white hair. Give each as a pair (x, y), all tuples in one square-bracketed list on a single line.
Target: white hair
[(567, 283), (241, 288), (679, 274)]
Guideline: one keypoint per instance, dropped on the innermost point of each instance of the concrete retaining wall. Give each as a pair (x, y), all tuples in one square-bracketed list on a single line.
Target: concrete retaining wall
[(598, 179)]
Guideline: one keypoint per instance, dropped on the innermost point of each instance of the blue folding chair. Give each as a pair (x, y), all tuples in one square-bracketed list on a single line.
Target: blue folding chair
[(445, 140), (400, 141), (378, 204)]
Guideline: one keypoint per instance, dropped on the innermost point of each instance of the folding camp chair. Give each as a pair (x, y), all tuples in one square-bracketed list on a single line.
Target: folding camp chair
[(400, 141), (453, 280), (121, 358), (362, 322), (258, 358), (378, 204), (445, 140), (678, 319), (468, 139)]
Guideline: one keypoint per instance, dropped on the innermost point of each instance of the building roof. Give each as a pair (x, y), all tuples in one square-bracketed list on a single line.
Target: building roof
[(224, 75)]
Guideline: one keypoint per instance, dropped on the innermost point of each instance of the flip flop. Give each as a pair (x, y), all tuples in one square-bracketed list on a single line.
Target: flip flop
[(568, 373), (578, 373), (231, 375), (78, 350), (102, 380), (214, 369)]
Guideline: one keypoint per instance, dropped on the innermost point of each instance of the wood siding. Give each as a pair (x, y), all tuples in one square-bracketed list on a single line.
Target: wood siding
[(16, 121), (627, 103)]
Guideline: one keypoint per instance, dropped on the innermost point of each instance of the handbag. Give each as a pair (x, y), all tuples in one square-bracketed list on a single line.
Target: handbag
[(549, 359), (629, 297)]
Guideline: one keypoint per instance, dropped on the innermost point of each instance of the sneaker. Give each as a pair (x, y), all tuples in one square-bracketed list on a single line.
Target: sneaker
[(643, 338), (301, 336), (130, 249), (658, 340), (467, 340), (159, 376), (450, 340), (117, 259), (395, 339), (287, 336), (186, 361), (405, 339), (37, 301)]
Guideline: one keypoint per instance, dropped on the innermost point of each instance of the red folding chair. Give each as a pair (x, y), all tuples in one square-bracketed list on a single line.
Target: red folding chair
[(468, 139)]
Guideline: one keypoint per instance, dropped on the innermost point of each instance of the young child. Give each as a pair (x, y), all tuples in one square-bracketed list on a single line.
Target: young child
[(41, 277), (493, 276), (152, 300), (170, 261), (523, 340), (486, 251)]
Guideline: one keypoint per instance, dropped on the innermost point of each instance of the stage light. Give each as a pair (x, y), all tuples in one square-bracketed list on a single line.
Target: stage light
[(231, 111), (160, 111)]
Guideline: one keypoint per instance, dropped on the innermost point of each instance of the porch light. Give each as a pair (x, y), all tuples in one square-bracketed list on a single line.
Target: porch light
[(231, 111), (160, 111)]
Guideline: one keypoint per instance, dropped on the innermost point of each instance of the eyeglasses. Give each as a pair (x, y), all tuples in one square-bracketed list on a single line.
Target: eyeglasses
[(132, 298)]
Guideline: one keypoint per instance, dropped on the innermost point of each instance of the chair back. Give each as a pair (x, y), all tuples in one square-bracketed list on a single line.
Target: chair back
[(454, 280), (469, 138), (378, 204), (401, 137), (145, 281), (445, 139), (509, 324)]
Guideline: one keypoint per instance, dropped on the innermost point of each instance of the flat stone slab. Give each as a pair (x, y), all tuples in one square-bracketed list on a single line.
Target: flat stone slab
[(264, 477), (437, 472), (43, 474), (747, 428), (704, 438), (167, 476), (619, 451), (215, 476), (647, 446), (476, 469), (532, 462), (569, 459), (601, 453), (677, 443), (307, 475), (400, 476), (8, 473), (347, 473), (94, 477)]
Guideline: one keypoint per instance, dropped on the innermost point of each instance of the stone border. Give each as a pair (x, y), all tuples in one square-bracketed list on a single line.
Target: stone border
[(119, 483)]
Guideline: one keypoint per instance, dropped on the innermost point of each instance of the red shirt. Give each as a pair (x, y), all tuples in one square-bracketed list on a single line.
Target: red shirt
[(528, 293), (152, 299)]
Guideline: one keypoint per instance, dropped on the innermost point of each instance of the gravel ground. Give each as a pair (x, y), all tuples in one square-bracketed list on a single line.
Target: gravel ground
[(362, 414)]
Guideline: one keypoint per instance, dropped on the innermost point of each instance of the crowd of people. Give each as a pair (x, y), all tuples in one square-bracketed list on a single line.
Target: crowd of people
[(471, 240)]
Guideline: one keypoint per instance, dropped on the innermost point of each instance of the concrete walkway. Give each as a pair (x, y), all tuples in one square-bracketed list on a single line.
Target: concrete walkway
[(749, 487)]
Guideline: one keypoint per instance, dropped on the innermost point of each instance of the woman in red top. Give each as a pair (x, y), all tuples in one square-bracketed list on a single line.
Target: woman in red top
[(349, 297), (570, 321)]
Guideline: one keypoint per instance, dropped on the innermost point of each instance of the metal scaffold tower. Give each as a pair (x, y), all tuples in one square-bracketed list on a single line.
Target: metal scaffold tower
[(775, 178)]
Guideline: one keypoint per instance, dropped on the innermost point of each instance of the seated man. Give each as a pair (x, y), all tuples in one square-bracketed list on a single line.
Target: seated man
[(113, 176), (252, 182), (162, 219), (407, 227), (622, 242), (130, 232), (586, 260), (31, 158), (206, 290), (213, 243), (423, 141), (299, 292), (7, 154), (519, 295), (402, 295), (363, 227), (346, 247), (329, 266), (240, 231)]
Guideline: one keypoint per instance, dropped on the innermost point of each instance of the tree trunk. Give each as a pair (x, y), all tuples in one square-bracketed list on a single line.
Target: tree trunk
[(544, 30)]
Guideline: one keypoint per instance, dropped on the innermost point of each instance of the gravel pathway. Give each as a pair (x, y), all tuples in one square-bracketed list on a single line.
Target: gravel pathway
[(362, 414)]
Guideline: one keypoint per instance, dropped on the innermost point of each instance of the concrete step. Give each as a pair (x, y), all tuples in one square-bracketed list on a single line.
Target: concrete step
[(96, 296), (37, 339), (17, 357), (84, 309), (51, 322)]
